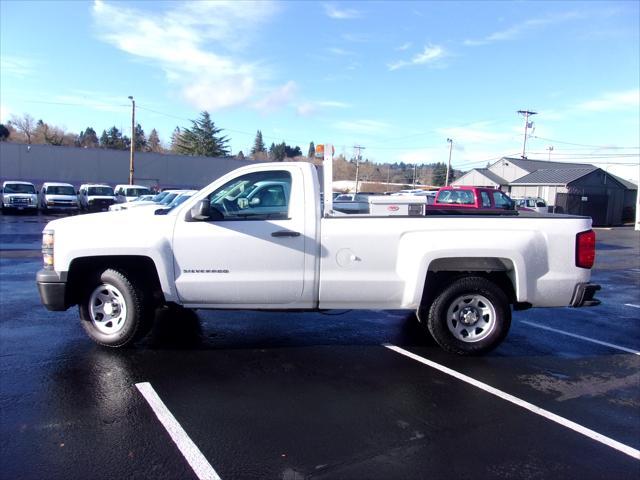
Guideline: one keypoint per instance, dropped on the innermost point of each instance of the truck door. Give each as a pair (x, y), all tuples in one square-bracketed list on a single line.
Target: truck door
[(254, 252)]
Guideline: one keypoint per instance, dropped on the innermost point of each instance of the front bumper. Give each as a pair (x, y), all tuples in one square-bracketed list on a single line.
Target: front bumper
[(583, 295), (53, 290)]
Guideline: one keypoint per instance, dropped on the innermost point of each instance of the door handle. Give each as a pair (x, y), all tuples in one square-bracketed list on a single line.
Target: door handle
[(285, 233)]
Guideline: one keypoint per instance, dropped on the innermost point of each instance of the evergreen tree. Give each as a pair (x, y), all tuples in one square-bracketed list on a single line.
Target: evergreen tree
[(278, 152), (240, 155), (153, 144), (291, 152), (4, 133), (439, 174), (141, 139), (203, 139), (114, 139), (88, 138), (258, 144), (175, 139), (312, 150)]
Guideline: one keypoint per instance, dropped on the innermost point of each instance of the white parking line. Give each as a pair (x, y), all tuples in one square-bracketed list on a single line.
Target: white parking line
[(631, 305), (587, 339), (193, 455), (621, 447)]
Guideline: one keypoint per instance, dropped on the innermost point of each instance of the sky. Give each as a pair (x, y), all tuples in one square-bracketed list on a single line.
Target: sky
[(397, 78)]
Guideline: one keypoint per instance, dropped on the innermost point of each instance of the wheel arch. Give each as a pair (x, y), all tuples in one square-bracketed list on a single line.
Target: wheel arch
[(139, 267)]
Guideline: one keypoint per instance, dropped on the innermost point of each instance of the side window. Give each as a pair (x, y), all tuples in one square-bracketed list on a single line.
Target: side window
[(486, 200), (254, 196), (501, 200), (466, 197)]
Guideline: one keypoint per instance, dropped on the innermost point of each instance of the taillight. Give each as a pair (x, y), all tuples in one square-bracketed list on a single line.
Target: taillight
[(585, 249)]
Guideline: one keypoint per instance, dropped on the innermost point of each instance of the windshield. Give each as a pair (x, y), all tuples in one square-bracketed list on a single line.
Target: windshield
[(106, 191), (60, 190), (136, 192), (19, 188)]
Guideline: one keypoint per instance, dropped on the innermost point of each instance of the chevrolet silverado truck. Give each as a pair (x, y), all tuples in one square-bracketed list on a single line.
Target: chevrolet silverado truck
[(226, 249)]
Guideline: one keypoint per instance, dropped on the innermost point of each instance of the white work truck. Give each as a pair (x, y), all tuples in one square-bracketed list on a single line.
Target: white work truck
[(229, 248)]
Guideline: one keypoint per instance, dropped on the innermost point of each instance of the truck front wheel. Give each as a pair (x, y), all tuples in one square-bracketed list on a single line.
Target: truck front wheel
[(471, 316), (113, 310)]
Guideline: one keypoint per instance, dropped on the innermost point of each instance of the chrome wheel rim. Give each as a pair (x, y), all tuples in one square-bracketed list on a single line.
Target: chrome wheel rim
[(471, 318), (108, 309)]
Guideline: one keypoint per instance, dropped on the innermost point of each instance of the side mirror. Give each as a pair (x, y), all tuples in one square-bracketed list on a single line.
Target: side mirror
[(204, 211)]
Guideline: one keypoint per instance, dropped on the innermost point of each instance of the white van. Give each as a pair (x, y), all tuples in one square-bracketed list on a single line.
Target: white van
[(58, 196), (95, 197), (126, 193), (18, 196)]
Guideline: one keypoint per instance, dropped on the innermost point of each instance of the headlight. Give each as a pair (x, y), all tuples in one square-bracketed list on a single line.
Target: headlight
[(47, 249)]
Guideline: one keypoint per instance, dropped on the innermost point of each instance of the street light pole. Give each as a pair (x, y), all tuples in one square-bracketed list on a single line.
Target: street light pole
[(450, 142), (133, 138)]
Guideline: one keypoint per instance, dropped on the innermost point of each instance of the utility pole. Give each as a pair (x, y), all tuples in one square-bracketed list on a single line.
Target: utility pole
[(550, 149), (133, 138), (450, 142), (388, 176), (526, 114), (415, 166), (358, 148)]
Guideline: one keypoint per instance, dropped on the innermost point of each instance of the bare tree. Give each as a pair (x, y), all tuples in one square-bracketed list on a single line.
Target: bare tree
[(25, 125)]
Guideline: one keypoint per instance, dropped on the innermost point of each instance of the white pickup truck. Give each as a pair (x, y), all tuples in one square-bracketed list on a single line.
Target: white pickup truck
[(230, 248)]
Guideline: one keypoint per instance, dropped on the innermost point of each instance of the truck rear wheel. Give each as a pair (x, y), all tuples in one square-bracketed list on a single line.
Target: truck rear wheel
[(114, 311), (471, 316)]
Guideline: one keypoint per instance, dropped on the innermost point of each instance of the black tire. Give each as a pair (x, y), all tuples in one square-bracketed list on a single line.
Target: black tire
[(114, 311), (470, 316)]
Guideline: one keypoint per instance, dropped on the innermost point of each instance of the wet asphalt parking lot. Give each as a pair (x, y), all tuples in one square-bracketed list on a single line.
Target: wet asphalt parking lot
[(242, 395)]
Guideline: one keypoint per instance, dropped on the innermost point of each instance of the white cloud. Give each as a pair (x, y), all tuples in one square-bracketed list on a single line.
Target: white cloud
[(16, 66), (340, 51), (613, 101), (340, 14), (404, 46), (355, 37), (362, 126), (277, 98), (520, 28), (430, 55), (195, 43), (309, 108)]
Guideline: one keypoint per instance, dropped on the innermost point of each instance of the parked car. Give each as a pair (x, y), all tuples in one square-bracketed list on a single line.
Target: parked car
[(58, 196), (19, 196), (95, 197), (160, 200), (487, 200), (536, 204), (351, 203), (126, 193)]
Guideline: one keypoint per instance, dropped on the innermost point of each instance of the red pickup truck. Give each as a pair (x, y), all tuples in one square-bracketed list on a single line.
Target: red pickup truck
[(488, 200)]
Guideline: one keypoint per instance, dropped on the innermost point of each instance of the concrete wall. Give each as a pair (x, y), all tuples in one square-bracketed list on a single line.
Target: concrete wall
[(41, 163)]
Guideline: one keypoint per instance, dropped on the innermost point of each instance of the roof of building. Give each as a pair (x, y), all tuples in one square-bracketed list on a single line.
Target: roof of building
[(533, 165), (554, 176), (497, 179), (629, 185)]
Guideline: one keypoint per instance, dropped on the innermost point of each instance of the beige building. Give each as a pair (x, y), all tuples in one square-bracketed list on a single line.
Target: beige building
[(576, 188)]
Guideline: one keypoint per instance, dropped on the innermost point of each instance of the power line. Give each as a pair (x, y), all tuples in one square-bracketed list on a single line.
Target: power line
[(582, 144)]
